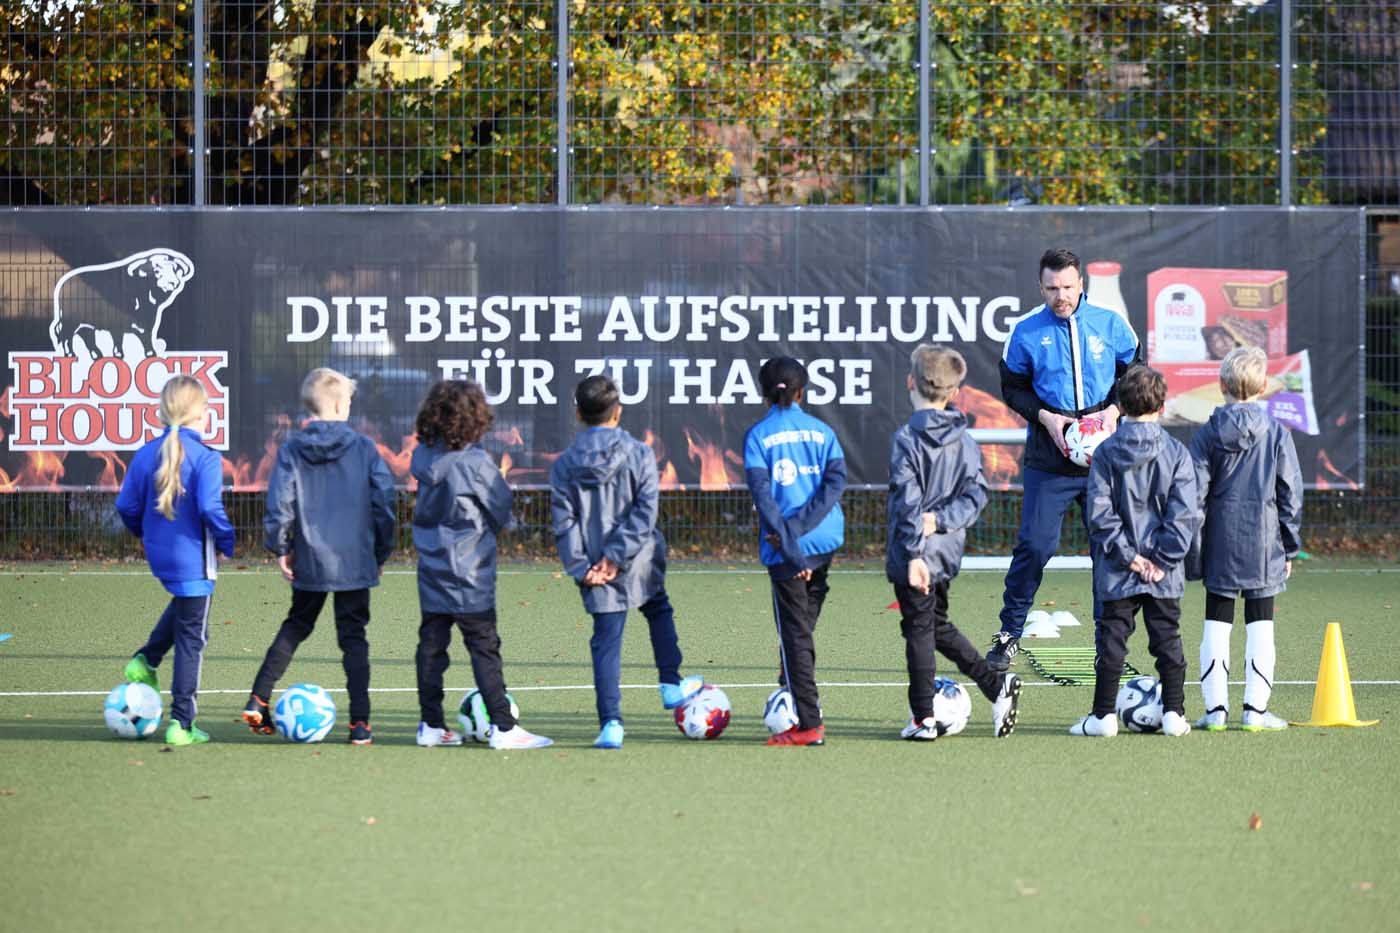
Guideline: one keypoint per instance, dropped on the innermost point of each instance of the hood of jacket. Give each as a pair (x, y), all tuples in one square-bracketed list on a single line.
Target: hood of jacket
[(1240, 426), (323, 441), (936, 427), (596, 456), (1135, 443)]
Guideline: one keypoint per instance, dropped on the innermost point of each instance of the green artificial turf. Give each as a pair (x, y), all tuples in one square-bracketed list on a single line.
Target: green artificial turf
[(1039, 831)]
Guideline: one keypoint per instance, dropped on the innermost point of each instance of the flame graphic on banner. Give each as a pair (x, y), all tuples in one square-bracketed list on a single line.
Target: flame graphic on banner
[(41, 471), (509, 438), (114, 470), (714, 474), (1000, 462), (1324, 466), (505, 465), (666, 476), (4, 410)]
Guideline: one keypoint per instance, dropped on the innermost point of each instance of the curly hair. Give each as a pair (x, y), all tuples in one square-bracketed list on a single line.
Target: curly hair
[(454, 414)]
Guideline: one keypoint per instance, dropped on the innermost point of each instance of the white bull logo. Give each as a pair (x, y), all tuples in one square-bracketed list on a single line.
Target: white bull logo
[(102, 304)]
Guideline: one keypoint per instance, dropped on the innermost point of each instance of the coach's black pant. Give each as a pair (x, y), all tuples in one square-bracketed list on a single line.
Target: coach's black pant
[(924, 623), (1160, 617), (484, 647), (351, 617), (797, 604)]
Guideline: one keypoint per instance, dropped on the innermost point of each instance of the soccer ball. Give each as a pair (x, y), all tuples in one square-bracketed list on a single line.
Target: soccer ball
[(952, 707), (475, 720), (780, 712), (705, 715), (304, 713), (132, 711), (1082, 437), (1139, 705)]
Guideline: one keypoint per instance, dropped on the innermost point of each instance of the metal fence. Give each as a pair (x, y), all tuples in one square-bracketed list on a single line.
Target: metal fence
[(891, 102)]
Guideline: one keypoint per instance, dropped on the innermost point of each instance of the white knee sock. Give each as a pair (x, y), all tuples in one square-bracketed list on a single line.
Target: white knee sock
[(1258, 664), (1215, 666)]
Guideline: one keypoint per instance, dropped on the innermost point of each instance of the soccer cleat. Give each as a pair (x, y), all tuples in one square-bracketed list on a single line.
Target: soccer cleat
[(1004, 708), (360, 734), (1174, 724), (1098, 726), (257, 715), (799, 736), (1261, 721), (673, 695), (178, 735), (920, 730), (1214, 721), (518, 738), (137, 671), (610, 736), (1003, 651), (433, 736)]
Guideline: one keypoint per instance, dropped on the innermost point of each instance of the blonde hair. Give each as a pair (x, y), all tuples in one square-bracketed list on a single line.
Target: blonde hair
[(937, 371), (1244, 372), (322, 387), (181, 398)]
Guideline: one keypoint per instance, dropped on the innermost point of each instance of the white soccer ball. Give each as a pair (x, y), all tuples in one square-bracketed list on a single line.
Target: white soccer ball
[(304, 713), (474, 717), (952, 707), (1083, 437), (705, 715), (780, 712), (132, 711), (1139, 705)]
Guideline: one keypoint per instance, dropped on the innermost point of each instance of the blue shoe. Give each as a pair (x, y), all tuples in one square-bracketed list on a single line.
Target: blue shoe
[(673, 695), (610, 736)]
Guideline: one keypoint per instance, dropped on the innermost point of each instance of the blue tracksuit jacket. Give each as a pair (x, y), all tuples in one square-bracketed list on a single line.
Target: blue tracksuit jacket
[(796, 471)]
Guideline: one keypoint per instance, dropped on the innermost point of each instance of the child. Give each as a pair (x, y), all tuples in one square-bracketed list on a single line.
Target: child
[(936, 492), (462, 503), (171, 499), (1251, 491), (330, 521), (1142, 518), (603, 499), (796, 471)]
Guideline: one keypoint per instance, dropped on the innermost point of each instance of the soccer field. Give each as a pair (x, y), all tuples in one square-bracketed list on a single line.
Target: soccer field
[(1039, 831)]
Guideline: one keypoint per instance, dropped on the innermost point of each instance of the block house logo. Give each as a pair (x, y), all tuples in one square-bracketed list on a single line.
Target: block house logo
[(99, 387)]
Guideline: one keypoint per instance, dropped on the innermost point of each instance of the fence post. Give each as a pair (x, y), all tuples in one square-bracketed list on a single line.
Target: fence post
[(201, 137), (1285, 128), (925, 103), (561, 90)]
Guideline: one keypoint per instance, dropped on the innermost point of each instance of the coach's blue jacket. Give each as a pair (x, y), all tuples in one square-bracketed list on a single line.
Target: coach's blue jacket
[(1070, 367), (462, 503), (934, 467), (604, 499), (796, 472), (179, 550)]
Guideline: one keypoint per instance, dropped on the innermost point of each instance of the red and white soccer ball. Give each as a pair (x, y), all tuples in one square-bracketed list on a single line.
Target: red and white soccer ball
[(705, 715), (1083, 437)]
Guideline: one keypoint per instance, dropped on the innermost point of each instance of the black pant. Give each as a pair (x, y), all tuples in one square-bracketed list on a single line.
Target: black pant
[(797, 604), (351, 617), (924, 623), (484, 647), (1159, 616)]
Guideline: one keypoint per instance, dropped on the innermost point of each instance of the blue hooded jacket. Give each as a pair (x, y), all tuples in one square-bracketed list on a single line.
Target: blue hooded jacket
[(179, 550)]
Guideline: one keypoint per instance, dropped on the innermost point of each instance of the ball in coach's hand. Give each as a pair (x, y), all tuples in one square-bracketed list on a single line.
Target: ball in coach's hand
[(1082, 438)]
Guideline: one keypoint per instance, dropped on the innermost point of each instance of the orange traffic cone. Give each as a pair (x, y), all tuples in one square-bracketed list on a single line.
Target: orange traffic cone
[(1332, 700)]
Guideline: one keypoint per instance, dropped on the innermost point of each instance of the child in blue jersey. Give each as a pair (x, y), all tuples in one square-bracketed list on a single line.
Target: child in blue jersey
[(796, 471), (171, 499)]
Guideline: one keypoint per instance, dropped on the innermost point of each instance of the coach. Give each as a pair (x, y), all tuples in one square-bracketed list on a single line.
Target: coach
[(1062, 361)]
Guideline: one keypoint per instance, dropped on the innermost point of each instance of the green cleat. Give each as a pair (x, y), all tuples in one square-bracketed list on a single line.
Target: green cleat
[(139, 672), (178, 735)]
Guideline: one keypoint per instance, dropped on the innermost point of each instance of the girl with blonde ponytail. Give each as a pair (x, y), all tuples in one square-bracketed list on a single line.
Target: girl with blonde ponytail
[(172, 499)]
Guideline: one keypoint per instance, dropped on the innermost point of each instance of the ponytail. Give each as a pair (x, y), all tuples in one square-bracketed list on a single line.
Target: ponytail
[(182, 400), (781, 380)]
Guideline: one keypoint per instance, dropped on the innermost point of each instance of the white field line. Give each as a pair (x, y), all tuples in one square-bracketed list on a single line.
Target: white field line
[(565, 687), (673, 571)]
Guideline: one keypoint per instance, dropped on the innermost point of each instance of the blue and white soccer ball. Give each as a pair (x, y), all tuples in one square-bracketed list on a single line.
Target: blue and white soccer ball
[(1139, 704), (780, 712), (474, 717), (304, 713), (952, 707), (132, 711)]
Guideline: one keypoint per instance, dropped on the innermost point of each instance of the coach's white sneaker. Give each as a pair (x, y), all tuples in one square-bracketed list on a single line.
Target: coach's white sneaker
[(517, 737), (1212, 722), (1174, 724), (432, 737), (1099, 726), (1253, 721)]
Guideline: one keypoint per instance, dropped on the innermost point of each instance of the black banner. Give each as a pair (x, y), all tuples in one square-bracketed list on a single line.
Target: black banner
[(99, 308)]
